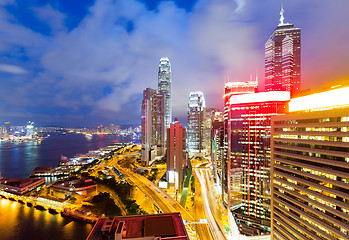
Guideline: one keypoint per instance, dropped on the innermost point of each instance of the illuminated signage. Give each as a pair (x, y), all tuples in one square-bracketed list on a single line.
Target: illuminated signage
[(327, 99), (260, 97)]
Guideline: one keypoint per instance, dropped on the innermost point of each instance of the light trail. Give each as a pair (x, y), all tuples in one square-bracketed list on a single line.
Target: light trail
[(213, 226)]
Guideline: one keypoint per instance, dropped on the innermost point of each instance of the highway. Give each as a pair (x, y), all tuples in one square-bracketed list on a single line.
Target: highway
[(164, 201), (202, 229), (211, 211), (209, 205)]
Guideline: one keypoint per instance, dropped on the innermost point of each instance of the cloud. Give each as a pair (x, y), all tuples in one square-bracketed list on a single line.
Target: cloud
[(51, 17), (12, 69), (99, 68)]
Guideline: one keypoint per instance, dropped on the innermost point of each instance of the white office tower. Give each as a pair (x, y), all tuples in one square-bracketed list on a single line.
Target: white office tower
[(30, 129), (195, 131), (164, 88)]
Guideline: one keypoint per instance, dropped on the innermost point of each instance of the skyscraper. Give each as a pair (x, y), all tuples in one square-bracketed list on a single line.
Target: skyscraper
[(230, 89), (283, 58), (195, 131), (164, 88), (248, 140), (310, 166), (153, 130), (30, 129), (175, 154), (217, 148)]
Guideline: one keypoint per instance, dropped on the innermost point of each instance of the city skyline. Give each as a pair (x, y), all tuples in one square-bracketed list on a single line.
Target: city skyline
[(50, 61)]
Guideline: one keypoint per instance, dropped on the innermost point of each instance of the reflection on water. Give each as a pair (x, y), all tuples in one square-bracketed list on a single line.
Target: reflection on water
[(17, 221), (20, 159)]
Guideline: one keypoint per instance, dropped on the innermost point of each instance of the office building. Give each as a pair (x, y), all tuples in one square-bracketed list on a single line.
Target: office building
[(6, 130), (163, 226), (164, 88), (30, 129), (209, 115), (248, 151), (217, 151), (230, 89), (176, 151), (310, 168), (283, 58), (195, 130), (153, 129)]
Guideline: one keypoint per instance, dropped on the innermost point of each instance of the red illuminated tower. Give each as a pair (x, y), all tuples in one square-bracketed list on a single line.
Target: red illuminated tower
[(230, 89), (247, 125), (283, 58)]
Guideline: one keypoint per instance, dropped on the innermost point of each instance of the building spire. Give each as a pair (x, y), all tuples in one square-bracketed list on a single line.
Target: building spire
[(282, 18)]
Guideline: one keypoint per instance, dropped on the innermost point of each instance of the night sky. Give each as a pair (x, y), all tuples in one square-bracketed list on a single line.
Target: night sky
[(85, 63)]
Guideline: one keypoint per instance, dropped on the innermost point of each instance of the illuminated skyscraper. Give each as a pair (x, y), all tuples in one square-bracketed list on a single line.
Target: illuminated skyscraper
[(217, 148), (310, 168), (164, 88), (209, 115), (195, 131), (153, 130), (30, 129), (283, 58), (248, 150), (230, 89), (7, 128)]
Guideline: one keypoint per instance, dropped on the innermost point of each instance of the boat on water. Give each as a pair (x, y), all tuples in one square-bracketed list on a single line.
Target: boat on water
[(89, 136), (52, 211), (41, 208)]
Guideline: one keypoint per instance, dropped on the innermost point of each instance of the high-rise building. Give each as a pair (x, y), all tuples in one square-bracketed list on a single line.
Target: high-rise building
[(248, 151), (153, 130), (175, 154), (30, 129), (7, 129), (217, 150), (230, 89), (209, 115), (195, 130), (283, 58), (164, 88), (310, 168)]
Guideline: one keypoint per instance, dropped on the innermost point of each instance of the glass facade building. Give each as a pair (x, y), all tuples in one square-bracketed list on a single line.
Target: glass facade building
[(283, 59), (248, 151), (310, 168), (153, 128), (230, 89), (195, 131), (164, 88)]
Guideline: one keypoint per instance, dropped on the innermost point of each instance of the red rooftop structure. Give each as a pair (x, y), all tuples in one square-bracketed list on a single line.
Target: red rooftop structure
[(146, 227)]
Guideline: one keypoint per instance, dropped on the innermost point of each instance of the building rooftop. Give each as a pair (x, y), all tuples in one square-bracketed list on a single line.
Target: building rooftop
[(19, 182), (160, 226), (78, 183), (20, 185)]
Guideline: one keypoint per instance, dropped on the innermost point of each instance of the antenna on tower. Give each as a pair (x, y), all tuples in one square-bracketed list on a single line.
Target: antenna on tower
[(282, 18)]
